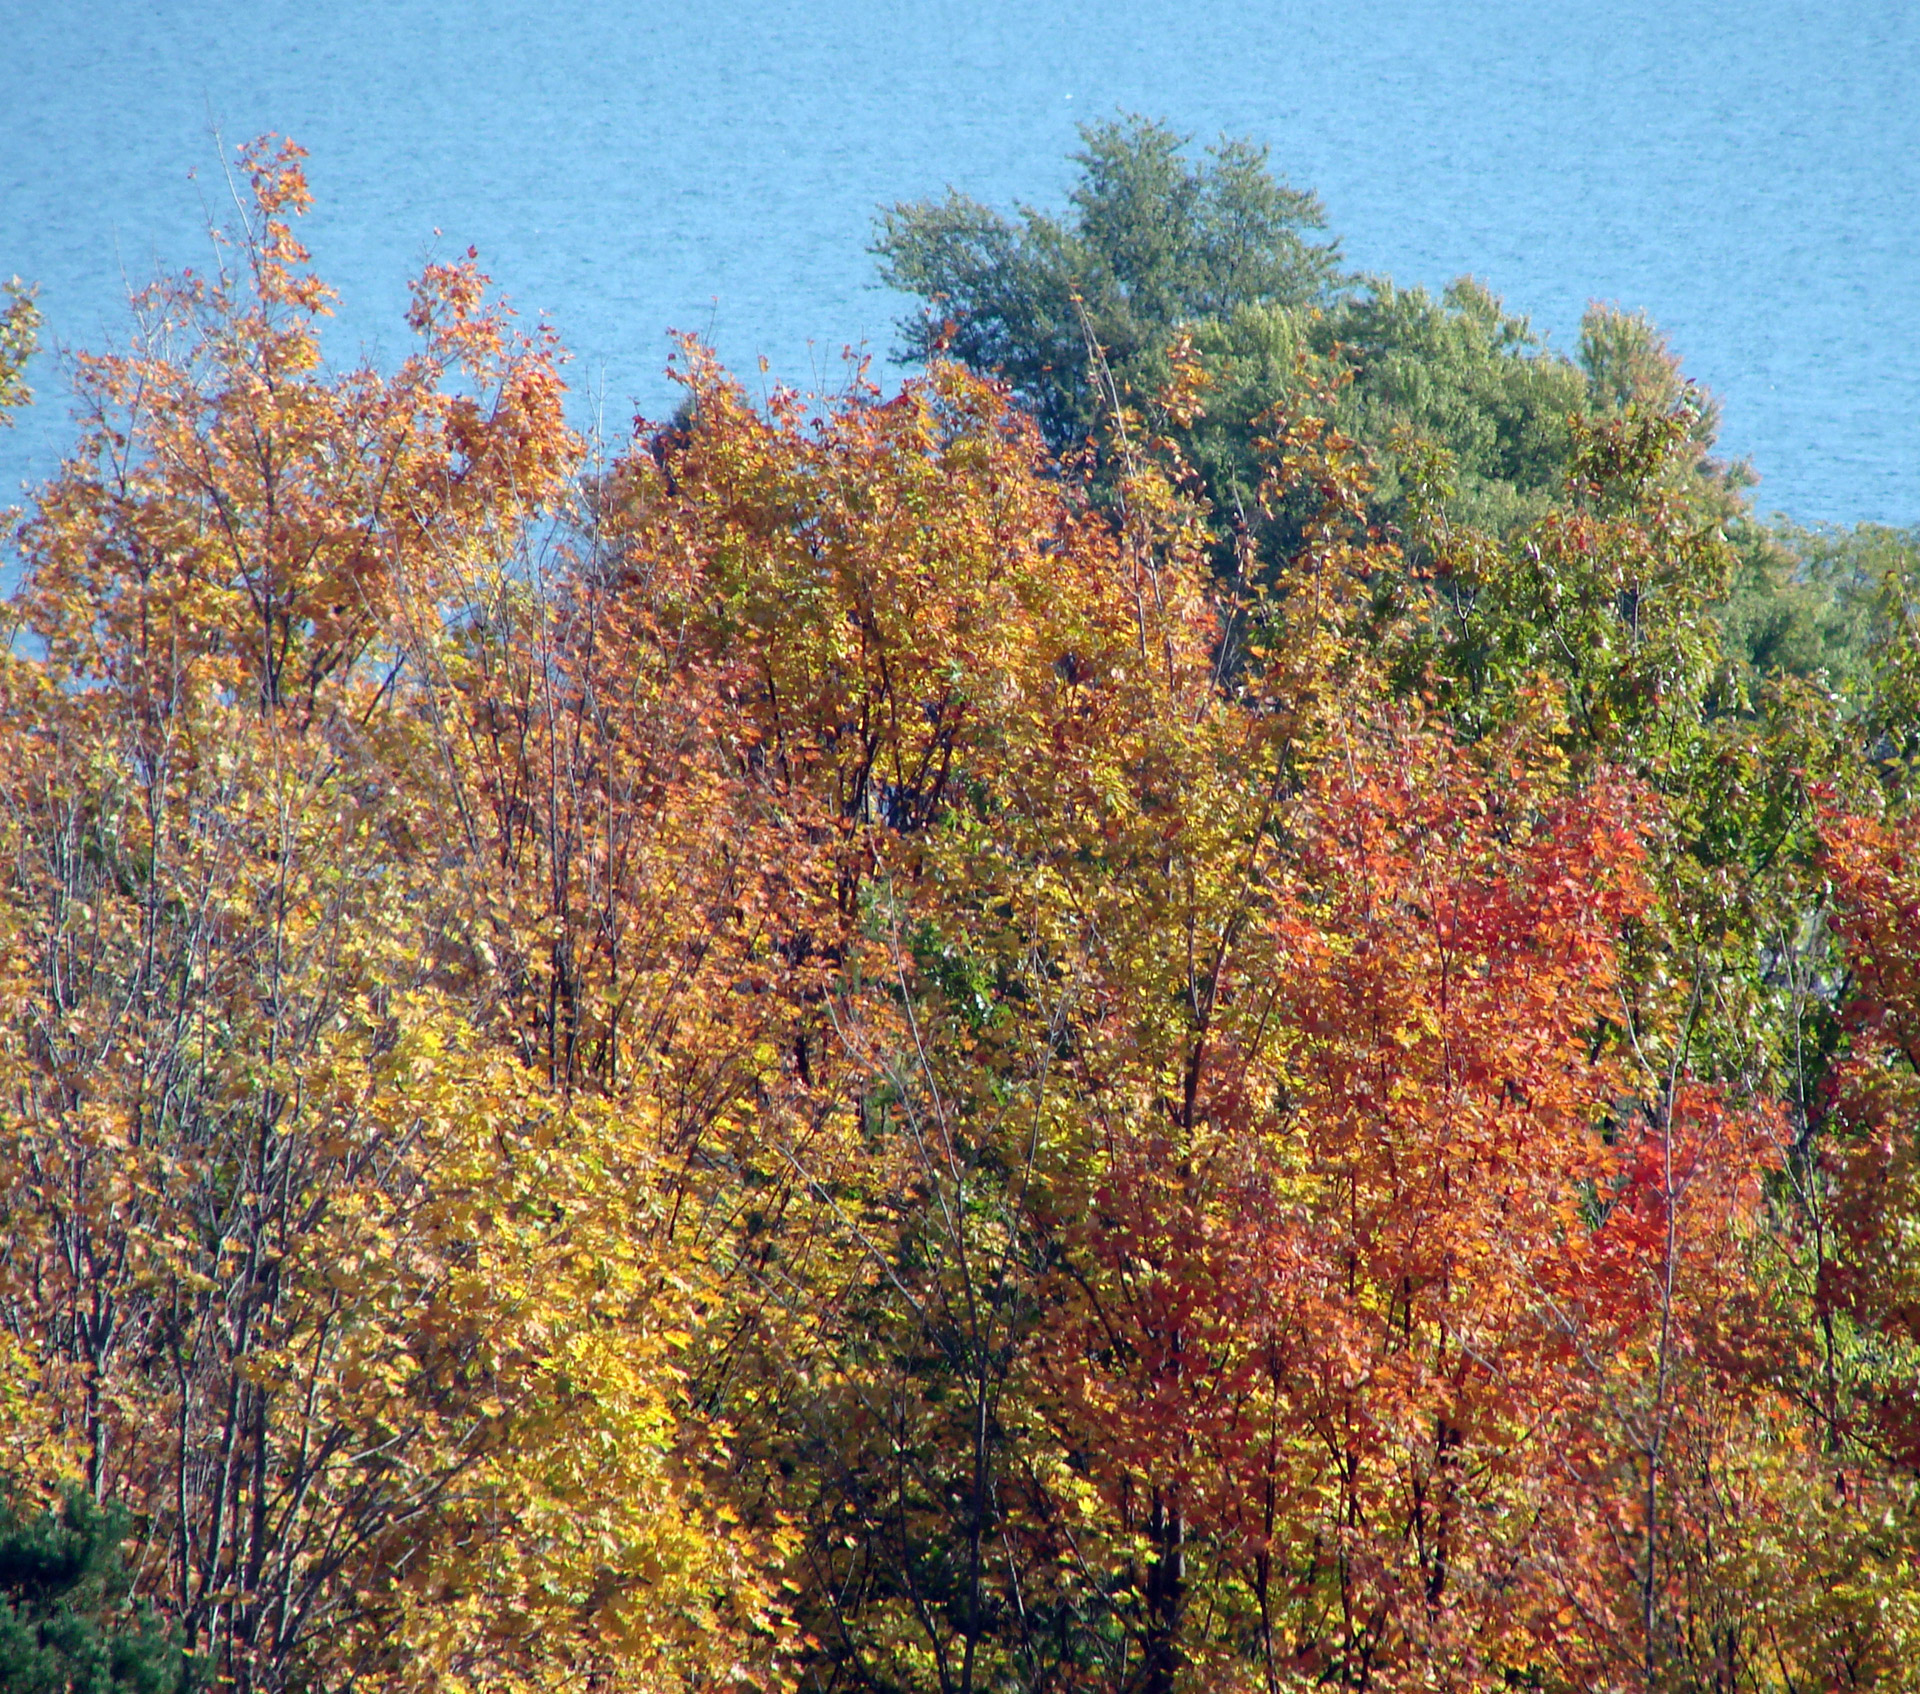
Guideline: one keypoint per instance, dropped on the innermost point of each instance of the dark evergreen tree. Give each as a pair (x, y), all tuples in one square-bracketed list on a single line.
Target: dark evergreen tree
[(68, 1621)]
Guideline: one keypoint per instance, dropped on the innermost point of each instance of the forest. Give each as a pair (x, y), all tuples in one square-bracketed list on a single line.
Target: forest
[(1225, 1000)]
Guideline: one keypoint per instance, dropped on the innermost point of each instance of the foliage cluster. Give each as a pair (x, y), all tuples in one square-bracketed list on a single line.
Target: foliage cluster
[(843, 1053)]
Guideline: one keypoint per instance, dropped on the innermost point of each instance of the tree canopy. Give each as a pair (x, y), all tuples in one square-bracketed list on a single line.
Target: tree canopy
[(845, 1052)]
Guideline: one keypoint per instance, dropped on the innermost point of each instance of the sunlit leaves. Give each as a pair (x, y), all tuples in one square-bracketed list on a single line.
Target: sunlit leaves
[(836, 1052)]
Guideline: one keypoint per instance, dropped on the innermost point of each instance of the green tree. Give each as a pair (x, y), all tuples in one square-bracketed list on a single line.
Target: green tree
[(1827, 602), (68, 1623), (1462, 373), (1154, 242), (1080, 315)]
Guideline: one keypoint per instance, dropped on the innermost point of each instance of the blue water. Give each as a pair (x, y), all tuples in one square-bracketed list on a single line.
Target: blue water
[(1749, 175)]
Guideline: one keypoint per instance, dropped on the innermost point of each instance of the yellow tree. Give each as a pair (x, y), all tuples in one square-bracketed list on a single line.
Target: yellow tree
[(235, 926)]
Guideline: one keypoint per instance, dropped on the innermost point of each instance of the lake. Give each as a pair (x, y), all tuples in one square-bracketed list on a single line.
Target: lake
[(1747, 175)]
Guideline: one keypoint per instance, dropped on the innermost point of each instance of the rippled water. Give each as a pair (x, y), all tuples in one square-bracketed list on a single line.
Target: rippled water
[(1749, 175)]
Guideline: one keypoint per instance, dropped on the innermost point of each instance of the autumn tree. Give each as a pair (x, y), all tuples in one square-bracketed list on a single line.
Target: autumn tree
[(19, 335), (242, 1173), (1118, 1027)]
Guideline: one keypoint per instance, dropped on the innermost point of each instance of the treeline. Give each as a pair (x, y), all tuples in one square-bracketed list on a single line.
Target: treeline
[(1174, 1038)]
